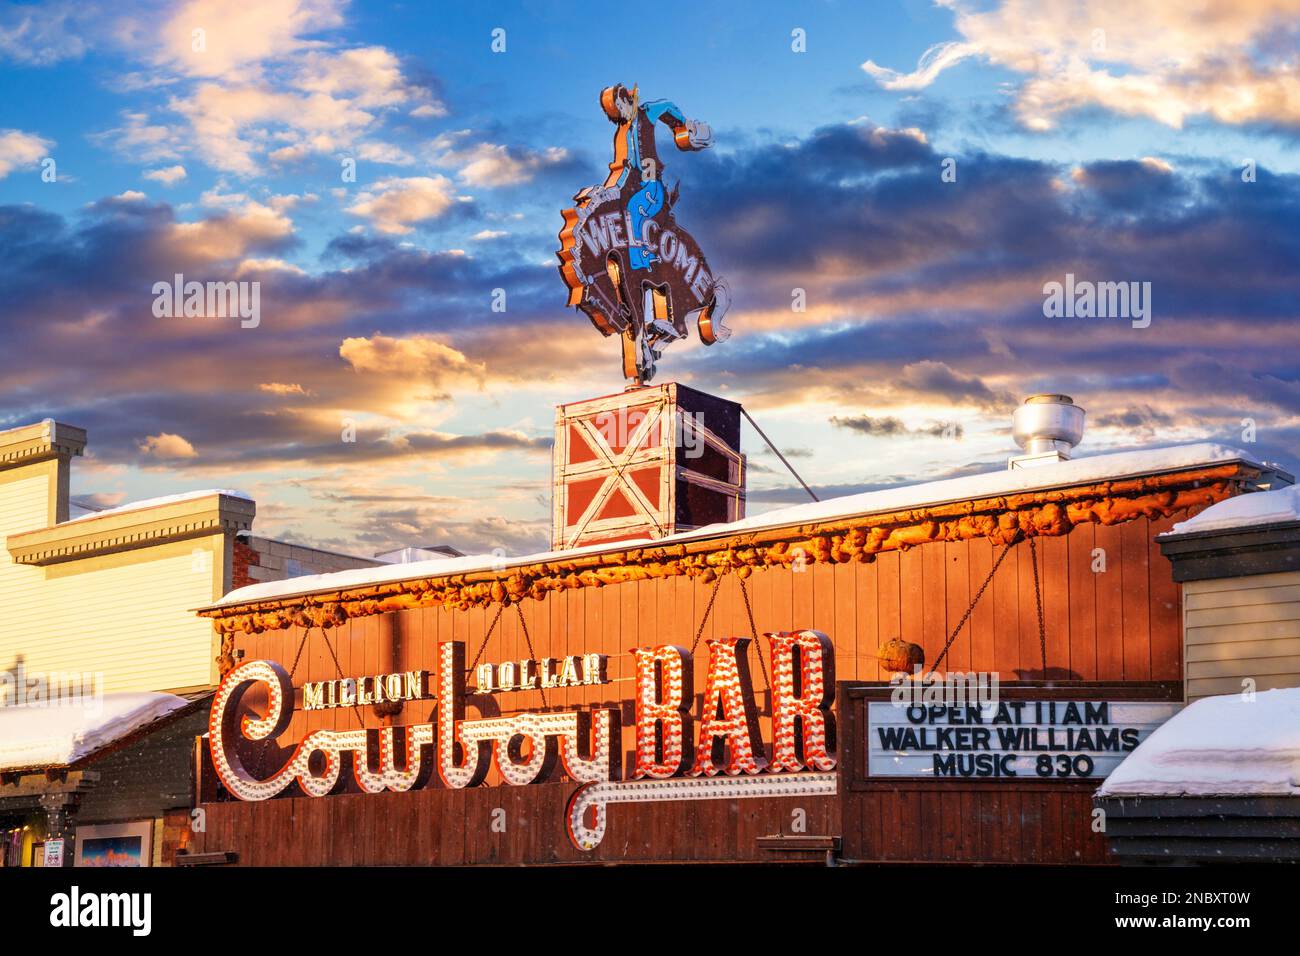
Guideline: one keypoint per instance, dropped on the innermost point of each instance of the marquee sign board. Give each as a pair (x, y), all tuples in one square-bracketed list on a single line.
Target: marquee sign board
[(627, 262), (1013, 740), (677, 757)]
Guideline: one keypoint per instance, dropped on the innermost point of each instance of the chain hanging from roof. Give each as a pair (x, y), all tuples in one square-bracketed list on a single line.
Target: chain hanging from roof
[(1038, 601)]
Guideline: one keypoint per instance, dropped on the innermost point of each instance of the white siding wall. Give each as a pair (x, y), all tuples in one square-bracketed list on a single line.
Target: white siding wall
[(127, 616), (1242, 627), (24, 506)]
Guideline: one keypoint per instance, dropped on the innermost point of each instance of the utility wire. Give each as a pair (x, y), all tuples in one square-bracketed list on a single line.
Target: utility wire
[(750, 418)]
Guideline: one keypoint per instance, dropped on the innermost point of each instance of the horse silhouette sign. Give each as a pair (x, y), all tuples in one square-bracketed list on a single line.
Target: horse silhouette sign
[(628, 264)]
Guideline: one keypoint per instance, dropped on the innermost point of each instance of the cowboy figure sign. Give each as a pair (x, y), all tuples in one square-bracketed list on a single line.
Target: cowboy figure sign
[(628, 264)]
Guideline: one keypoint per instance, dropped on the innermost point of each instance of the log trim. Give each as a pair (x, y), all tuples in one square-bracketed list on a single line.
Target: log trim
[(1044, 512)]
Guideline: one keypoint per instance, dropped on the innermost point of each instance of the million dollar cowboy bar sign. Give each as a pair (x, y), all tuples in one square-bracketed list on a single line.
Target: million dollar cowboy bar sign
[(619, 702), (717, 753)]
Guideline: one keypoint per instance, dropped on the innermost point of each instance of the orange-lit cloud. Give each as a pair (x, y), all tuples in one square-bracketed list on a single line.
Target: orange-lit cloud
[(395, 205), (19, 150), (1164, 60), (167, 445)]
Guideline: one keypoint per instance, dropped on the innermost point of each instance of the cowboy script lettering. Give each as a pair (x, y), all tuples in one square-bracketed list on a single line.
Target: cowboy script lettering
[(721, 758)]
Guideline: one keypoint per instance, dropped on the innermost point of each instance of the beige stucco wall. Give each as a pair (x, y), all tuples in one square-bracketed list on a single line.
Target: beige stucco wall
[(127, 616), (1238, 628)]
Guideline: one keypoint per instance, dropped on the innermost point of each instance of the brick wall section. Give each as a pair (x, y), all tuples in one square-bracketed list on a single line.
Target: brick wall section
[(175, 835), (263, 559), (244, 558)]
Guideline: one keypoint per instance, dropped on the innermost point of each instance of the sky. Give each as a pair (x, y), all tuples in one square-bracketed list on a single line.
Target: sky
[(892, 187)]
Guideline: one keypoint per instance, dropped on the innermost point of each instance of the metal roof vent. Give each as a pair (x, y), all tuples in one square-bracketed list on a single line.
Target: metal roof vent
[(1047, 427)]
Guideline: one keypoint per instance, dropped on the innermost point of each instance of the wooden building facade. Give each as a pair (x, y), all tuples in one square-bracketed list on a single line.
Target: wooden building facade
[(971, 563)]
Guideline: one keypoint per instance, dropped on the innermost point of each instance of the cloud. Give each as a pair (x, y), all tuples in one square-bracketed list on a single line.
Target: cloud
[(890, 427), (492, 164), (1136, 416), (384, 153), (45, 34), (1226, 60), (168, 176), (220, 38), (923, 297), (371, 77), (167, 445), (259, 266), (230, 235), (1133, 185), (288, 154), (283, 388), (231, 124), (298, 439), (396, 526), (141, 140), (937, 380), (933, 62), (417, 358), (395, 205), (99, 500), (19, 150), (924, 305), (252, 84)]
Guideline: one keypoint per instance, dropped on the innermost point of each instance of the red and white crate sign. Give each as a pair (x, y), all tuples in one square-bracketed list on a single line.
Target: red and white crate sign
[(645, 463)]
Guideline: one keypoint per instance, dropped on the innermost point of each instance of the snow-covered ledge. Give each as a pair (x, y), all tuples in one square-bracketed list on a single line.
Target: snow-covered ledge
[(34, 736), (1264, 508), (1251, 534), (1230, 746)]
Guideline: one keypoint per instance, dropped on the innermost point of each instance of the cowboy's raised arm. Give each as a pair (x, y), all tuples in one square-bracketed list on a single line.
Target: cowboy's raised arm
[(687, 134)]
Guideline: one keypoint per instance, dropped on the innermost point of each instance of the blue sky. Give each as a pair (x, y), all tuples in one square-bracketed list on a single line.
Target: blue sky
[(1098, 139)]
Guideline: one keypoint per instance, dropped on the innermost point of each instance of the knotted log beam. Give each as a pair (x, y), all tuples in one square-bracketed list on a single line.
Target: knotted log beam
[(836, 541)]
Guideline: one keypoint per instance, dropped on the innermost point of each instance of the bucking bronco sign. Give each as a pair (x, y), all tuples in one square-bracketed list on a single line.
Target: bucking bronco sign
[(628, 264)]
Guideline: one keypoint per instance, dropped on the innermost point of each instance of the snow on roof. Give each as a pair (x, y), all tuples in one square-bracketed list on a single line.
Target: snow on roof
[(159, 502), (927, 494), (1245, 511), (1218, 746), (56, 735)]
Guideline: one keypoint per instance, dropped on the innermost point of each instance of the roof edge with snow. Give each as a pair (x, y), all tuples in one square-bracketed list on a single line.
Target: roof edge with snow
[(72, 733), (999, 505)]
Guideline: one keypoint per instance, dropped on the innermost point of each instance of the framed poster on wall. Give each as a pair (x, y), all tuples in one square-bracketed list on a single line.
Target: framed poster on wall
[(115, 844)]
